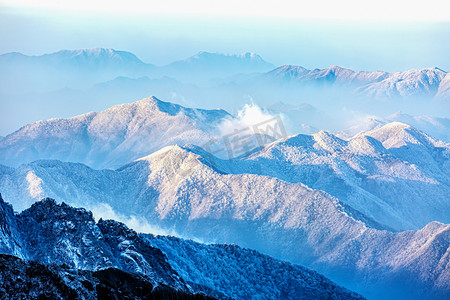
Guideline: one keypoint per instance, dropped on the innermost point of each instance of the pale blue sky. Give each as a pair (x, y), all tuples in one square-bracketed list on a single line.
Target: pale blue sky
[(159, 37)]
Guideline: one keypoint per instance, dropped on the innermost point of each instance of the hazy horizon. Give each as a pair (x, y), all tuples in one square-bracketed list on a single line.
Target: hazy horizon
[(383, 36), (160, 39)]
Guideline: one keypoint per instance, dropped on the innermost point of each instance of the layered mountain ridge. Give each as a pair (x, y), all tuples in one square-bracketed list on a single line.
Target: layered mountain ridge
[(106, 257), (106, 64), (94, 79), (271, 201), (113, 137), (431, 82), (338, 205)]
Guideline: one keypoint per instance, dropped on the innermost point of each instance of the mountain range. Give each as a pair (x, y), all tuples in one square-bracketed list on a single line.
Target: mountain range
[(316, 200), (83, 68), (380, 173), (65, 250), (86, 67), (67, 68), (365, 203), (432, 82), (208, 67), (75, 81), (113, 137)]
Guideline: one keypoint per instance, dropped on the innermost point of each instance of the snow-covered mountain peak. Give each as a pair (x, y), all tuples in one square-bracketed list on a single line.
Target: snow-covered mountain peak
[(329, 141), (288, 72), (397, 134), (332, 74), (113, 137), (387, 131), (163, 151), (172, 164), (147, 105), (366, 145), (411, 83), (96, 55), (323, 141), (90, 52), (428, 82), (337, 69), (160, 155), (435, 226)]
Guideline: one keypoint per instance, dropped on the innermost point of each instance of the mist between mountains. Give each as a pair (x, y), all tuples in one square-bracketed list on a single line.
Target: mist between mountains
[(241, 142)]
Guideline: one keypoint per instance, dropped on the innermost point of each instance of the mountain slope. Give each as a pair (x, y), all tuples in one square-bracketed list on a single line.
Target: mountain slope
[(412, 83), (437, 127), (113, 137), (23, 279), (377, 85), (64, 235), (434, 126), (444, 88), (384, 183), (70, 237), (192, 194), (226, 268), (381, 174), (331, 75)]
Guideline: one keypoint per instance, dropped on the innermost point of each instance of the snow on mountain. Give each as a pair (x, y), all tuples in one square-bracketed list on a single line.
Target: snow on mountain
[(444, 88), (22, 279), (423, 152), (434, 126), (63, 235), (381, 174), (396, 135), (10, 240), (333, 74), (437, 127), (113, 137), (377, 84), (422, 82), (93, 57), (259, 202), (230, 269), (367, 172)]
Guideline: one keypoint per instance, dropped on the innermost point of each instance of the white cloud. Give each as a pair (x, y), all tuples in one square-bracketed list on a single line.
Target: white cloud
[(139, 224), (249, 116)]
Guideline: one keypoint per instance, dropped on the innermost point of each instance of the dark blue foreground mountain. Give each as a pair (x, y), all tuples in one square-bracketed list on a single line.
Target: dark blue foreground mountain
[(75, 256)]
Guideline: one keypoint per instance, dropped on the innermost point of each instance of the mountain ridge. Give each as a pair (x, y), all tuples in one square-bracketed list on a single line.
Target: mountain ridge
[(113, 137), (376, 84), (64, 232), (182, 190)]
